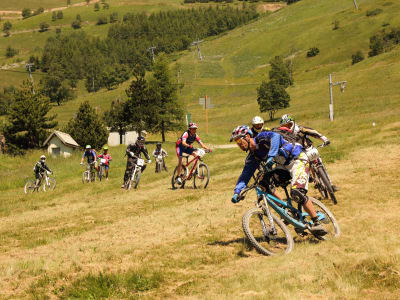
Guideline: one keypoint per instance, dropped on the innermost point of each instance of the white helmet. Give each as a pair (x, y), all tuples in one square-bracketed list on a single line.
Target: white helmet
[(42, 157), (258, 123)]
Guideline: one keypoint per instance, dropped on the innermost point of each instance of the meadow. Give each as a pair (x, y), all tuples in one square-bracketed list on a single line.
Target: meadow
[(97, 241)]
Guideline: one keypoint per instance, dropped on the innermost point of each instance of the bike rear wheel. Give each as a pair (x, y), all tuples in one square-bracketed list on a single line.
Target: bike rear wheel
[(50, 186), (327, 219), (30, 187), (258, 230), (324, 178), (183, 174), (201, 177)]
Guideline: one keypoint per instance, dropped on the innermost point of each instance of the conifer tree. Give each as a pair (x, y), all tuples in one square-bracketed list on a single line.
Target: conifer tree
[(87, 128), (27, 119)]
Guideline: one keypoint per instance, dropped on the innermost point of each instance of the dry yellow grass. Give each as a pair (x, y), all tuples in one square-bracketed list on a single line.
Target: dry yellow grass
[(194, 238)]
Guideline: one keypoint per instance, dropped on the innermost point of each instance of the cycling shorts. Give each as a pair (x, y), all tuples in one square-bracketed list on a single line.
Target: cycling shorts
[(180, 149)]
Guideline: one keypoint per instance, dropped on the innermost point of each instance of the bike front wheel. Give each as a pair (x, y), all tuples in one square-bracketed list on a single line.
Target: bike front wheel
[(30, 187), (328, 220), (259, 231), (201, 177), (183, 175), (85, 177), (137, 178), (50, 185), (324, 178)]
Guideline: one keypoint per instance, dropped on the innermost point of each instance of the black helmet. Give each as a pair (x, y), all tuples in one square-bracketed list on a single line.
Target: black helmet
[(140, 140), (158, 144)]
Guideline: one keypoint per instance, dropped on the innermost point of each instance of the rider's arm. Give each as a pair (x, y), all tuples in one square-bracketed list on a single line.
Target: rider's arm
[(200, 142), (154, 153), (47, 168), (145, 153), (165, 152), (184, 137), (83, 156), (313, 133), (275, 144)]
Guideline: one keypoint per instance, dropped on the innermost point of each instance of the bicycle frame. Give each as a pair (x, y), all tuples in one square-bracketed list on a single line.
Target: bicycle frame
[(195, 165), (281, 207)]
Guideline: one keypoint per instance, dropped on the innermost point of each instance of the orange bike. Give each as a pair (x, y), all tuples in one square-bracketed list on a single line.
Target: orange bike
[(198, 171)]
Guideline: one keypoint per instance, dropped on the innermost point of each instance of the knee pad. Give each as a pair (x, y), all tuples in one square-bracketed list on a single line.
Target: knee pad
[(299, 196)]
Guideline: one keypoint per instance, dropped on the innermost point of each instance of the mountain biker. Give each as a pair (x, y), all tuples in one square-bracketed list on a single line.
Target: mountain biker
[(108, 158), (274, 149), (184, 145), (39, 168), (252, 161), (160, 151), (90, 155), (301, 133), (258, 125), (134, 151)]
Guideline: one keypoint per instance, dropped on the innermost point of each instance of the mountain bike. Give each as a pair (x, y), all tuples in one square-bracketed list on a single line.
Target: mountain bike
[(102, 167), (90, 174), (258, 225), (46, 183), (134, 177), (198, 171), (159, 163), (319, 173)]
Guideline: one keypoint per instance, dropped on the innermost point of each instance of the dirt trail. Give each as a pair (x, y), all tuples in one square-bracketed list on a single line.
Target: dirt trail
[(18, 12)]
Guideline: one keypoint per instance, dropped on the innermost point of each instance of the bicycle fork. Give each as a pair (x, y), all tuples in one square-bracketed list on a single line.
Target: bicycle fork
[(267, 212)]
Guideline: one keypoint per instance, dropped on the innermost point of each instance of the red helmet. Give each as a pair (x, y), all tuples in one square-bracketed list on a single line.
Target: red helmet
[(192, 125), (240, 131)]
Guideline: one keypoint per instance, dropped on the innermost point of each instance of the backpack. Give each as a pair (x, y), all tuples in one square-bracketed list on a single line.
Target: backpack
[(286, 134)]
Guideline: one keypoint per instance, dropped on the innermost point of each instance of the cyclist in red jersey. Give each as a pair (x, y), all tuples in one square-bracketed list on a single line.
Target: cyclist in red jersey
[(184, 145)]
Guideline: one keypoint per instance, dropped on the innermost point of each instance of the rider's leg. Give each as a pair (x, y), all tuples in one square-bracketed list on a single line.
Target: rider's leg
[(37, 181), (106, 171), (250, 166), (128, 170), (300, 171), (178, 171)]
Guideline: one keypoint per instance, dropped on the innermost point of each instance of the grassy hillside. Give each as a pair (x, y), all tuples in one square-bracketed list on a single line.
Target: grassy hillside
[(97, 241)]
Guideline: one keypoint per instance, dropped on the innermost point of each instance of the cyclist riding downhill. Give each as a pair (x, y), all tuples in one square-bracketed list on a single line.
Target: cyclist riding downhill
[(90, 155), (107, 157), (160, 153), (134, 151), (301, 134), (271, 147), (185, 145), (39, 168)]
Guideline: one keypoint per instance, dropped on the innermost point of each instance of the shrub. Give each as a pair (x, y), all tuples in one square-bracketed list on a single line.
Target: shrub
[(106, 6), (114, 17), (373, 12), (54, 16), (357, 57), (335, 25), (76, 24), (101, 20), (26, 13), (43, 27), (60, 14), (11, 52), (39, 11), (314, 51), (96, 7), (383, 41)]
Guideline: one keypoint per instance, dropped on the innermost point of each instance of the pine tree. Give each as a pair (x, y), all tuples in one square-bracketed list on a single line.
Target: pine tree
[(86, 128), (280, 72), (169, 112), (27, 119)]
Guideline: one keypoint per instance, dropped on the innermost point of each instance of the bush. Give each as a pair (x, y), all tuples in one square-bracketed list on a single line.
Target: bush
[(96, 7), (39, 11), (335, 25), (26, 13), (43, 27), (314, 51), (54, 16), (373, 12), (101, 20), (383, 41), (60, 15), (357, 57), (114, 17), (11, 52), (76, 24)]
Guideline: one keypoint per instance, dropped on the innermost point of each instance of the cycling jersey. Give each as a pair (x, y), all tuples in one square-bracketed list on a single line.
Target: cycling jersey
[(137, 151), (40, 167), (91, 156), (107, 157), (188, 138)]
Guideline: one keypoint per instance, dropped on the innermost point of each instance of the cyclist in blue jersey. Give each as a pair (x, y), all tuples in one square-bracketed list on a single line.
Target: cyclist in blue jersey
[(90, 155), (185, 145), (273, 148)]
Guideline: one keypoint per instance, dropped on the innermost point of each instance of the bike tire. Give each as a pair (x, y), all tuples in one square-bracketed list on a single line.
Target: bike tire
[(29, 187), (137, 178), (85, 177), (51, 186), (101, 170), (330, 223), (281, 245), (327, 183), (184, 173), (201, 179)]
